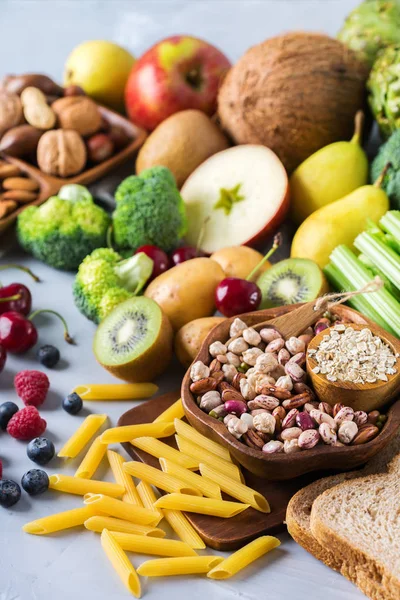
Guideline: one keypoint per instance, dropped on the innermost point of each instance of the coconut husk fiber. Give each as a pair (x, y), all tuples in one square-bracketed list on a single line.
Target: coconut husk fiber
[(294, 93)]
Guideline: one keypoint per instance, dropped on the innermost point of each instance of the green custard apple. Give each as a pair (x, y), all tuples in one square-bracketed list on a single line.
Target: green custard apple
[(384, 90), (371, 26)]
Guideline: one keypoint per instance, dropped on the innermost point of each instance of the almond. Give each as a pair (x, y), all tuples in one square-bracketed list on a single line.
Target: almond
[(8, 170), (20, 183), (21, 196), (7, 207)]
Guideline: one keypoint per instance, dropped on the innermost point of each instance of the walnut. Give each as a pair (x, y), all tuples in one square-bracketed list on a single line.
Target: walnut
[(10, 111), (61, 153), (79, 113)]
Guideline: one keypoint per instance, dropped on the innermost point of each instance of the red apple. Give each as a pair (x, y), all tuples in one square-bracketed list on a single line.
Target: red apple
[(177, 73), (236, 197)]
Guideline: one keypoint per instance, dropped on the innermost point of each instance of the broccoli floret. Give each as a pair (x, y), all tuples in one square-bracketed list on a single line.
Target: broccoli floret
[(62, 231), (149, 210), (104, 280), (389, 153)]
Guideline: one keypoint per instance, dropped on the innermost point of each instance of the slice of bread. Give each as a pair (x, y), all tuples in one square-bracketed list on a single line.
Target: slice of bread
[(359, 520), (298, 514)]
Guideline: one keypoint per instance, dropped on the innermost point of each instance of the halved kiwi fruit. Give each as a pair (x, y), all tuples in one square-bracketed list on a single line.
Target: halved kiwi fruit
[(134, 341), (290, 281)]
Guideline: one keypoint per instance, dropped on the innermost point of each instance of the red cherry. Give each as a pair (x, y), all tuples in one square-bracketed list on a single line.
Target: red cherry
[(234, 296), (17, 334), (185, 253), (21, 304), (159, 258), (3, 357)]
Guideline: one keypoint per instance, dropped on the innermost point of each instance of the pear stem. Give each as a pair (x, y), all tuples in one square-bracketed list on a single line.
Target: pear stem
[(381, 177), (277, 242), (358, 127)]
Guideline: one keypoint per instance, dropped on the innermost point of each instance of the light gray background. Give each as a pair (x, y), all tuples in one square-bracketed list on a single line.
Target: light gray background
[(37, 36)]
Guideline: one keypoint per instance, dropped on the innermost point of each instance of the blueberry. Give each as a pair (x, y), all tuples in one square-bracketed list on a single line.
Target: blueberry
[(10, 493), (7, 410), (72, 404), (35, 482), (40, 450), (48, 356)]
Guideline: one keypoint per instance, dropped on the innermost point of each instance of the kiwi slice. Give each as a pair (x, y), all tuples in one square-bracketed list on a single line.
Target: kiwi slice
[(134, 341), (290, 281)]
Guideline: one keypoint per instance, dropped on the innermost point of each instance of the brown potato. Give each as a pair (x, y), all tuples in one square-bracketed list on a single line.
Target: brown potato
[(186, 292), (239, 261), (191, 336)]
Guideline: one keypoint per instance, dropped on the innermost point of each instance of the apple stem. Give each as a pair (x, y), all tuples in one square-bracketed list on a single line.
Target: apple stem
[(277, 242), (358, 127)]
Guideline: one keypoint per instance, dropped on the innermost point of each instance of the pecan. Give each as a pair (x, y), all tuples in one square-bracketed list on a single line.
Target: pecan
[(203, 385), (296, 401), (277, 392)]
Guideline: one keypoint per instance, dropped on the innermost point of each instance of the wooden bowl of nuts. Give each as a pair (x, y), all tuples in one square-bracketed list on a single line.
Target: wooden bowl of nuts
[(252, 396), (359, 365)]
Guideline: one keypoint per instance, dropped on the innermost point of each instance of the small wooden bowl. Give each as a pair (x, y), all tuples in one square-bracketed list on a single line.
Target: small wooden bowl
[(283, 466), (367, 396)]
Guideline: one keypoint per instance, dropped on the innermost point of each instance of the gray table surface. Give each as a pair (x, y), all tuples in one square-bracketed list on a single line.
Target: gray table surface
[(37, 35)]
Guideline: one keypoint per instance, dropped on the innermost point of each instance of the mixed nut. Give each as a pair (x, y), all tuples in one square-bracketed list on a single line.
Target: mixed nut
[(15, 188), (256, 385)]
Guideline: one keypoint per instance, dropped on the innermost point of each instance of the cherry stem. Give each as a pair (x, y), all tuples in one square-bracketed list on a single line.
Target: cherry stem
[(21, 268), (11, 298), (277, 242), (67, 337)]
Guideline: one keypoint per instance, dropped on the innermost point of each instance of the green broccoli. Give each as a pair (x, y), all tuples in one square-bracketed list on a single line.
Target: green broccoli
[(65, 229), (149, 210), (104, 280), (389, 153)]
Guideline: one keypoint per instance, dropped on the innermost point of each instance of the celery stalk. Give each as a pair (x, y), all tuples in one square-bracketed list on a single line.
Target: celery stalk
[(383, 257), (381, 301), (390, 222), (338, 280)]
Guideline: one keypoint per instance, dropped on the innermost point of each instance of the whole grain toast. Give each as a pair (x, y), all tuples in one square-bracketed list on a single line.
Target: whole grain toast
[(298, 519)]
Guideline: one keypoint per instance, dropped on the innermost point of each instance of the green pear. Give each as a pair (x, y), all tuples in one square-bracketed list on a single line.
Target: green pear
[(328, 175), (339, 223)]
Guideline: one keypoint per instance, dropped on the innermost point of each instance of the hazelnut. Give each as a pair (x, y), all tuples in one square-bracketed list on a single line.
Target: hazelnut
[(79, 113), (73, 90), (61, 153), (120, 138), (100, 147), (10, 111)]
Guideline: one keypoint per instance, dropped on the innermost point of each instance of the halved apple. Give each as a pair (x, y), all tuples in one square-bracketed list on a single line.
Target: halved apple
[(237, 197)]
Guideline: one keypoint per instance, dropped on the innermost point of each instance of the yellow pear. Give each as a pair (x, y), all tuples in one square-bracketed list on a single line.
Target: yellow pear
[(328, 175), (101, 68), (339, 223)]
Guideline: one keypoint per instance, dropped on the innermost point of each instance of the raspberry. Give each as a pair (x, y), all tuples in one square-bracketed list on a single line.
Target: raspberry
[(32, 387), (26, 424)]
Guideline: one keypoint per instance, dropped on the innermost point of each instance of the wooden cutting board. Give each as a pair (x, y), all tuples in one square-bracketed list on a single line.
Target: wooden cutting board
[(223, 534)]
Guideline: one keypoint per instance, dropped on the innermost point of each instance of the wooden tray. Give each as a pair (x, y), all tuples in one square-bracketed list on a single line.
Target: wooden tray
[(49, 185), (223, 534)]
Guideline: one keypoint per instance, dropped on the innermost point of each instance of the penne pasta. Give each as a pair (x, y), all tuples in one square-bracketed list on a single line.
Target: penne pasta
[(98, 523), (119, 435), (116, 463), (201, 506), (235, 489), (122, 510), (121, 563), (183, 529), (161, 450), (59, 521), (205, 487), (93, 458), (115, 391), (175, 411), (80, 487), (148, 496), (243, 557), (158, 478), (82, 436), (190, 433), (144, 545), (189, 565), (204, 456)]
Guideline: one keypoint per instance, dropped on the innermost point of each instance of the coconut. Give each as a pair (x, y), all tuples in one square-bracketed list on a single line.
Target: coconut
[(294, 93)]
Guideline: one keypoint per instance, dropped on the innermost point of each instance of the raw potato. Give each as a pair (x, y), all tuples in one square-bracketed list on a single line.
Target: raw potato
[(294, 93), (190, 337), (239, 261), (186, 292), (181, 143)]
